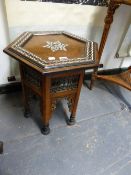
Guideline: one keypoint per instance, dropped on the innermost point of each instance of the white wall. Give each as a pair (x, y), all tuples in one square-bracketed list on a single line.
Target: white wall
[(4, 40), (125, 47), (86, 21), (118, 29), (83, 20)]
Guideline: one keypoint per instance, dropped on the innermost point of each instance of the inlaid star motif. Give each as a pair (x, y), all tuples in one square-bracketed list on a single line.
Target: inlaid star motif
[(55, 46)]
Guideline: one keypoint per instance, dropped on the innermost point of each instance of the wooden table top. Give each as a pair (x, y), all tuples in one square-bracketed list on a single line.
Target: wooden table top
[(53, 51)]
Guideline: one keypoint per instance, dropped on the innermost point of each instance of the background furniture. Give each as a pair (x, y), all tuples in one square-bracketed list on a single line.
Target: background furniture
[(123, 79), (52, 65)]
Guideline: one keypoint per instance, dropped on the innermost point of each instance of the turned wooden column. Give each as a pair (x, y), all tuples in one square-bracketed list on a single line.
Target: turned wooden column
[(75, 100), (46, 104), (113, 5)]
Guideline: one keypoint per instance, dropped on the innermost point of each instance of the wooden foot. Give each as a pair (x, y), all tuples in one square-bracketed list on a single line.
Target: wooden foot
[(27, 113), (1, 147), (45, 130), (71, 121)]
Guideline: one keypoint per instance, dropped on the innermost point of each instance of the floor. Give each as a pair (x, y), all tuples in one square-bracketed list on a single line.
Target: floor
[(99, 143)]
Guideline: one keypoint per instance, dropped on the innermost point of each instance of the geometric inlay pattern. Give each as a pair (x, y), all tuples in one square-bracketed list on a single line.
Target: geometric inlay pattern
[(88, 56)]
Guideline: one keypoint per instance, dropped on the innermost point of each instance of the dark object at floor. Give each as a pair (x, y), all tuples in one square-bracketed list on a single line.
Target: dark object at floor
[(10, 88), (1, 147)]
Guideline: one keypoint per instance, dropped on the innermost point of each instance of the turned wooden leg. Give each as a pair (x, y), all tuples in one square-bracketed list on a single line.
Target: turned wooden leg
[(45, 130), (72, 120), (46, 106), (1, 147), (73, 101)]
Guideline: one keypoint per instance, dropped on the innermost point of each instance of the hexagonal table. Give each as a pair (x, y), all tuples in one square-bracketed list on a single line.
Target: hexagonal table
[(52, 65)]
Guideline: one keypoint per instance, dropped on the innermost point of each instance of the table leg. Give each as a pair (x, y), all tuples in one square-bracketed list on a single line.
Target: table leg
[(74, 100), (46, 105), (26, 102), (93, 78), (72, 120), (25, 90)]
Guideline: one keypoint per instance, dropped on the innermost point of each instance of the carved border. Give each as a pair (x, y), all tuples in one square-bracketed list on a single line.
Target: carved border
[(90, 51), (64, 83)]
